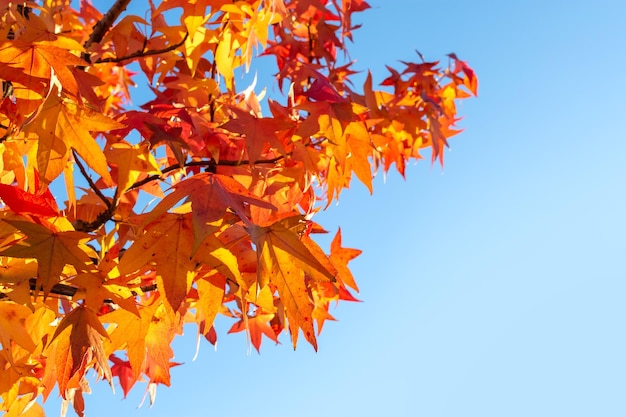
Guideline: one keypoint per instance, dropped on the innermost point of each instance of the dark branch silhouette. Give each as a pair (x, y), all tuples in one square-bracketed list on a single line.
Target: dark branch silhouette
[(103, 26), (143, 53)]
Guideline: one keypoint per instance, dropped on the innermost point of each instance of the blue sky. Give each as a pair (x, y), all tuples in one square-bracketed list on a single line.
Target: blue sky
[(494, 287)]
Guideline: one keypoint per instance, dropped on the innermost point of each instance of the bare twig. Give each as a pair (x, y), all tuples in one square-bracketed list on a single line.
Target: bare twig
[(103, 26), (143, 53), (69, 291), (209, 163), (107, 214), (92, 185)]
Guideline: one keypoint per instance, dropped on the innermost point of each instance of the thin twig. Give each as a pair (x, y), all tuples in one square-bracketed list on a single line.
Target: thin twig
[(107, 214), (103, 26), (69, 291), (92, 185), (142, 53), (209, 163)]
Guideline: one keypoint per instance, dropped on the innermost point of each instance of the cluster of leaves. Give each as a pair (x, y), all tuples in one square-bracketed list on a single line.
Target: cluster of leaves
[(103, 280)]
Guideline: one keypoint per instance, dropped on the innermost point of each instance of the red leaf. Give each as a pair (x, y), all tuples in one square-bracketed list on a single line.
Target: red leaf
[(22, 202), (124, 372)]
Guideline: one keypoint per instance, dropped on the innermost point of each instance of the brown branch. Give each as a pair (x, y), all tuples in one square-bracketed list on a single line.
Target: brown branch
[(143, 53), (103, 26), (209, 163), (111, 204), (107, 214), (92, 185), (69, 291)]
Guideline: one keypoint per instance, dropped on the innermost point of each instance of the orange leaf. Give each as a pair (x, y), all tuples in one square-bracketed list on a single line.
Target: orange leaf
[(210, 298), (53, 250), (12, 318), (167, 243), (256, 327), (62, 125), (130, 332), (38, 60), (260, 133), (340, 257), (210, 195), (78, 339), (283, 260)]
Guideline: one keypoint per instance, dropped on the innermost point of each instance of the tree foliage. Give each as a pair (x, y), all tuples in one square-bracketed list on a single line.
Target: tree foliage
[(121, 223)]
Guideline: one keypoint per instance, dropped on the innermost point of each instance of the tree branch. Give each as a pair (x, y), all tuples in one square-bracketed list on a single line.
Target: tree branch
[(103, 26), (107, 214), (144, 53), (69, 291), (209, 163), (92, 185)]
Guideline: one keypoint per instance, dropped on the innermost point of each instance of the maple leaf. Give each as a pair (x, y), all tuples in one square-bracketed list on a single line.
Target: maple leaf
[(131, 162), (39, 203), (40, 60), (210, 298), (124, 372), (15, 275), (130, 332), (163, 327), (62, 125), (96, 288), (260, 133), (52, 249), (79, 339), (12, 318), (255, 327), (168, 243), (340, 256), (283, 260), (210, 195)]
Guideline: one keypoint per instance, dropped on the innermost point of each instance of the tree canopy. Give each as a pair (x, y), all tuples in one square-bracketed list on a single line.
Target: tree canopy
[(122, 222)]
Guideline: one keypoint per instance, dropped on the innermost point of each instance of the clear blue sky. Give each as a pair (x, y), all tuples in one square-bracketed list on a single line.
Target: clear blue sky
[(492, 288)]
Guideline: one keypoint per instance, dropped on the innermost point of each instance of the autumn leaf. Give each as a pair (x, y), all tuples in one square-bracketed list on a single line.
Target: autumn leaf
[(124, 373), (211, 195), (24, 202), (255, 327), (78, 340), (260, 133), (15, 276), (130, 333), (167, 242), (63, 125), (283, 260), (340, 256), (12, 318), (52, 249), (163, 327), (131, 162), (40, 60)]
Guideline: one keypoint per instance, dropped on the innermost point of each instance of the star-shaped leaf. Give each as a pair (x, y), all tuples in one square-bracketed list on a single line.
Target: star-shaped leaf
[(52, 249)]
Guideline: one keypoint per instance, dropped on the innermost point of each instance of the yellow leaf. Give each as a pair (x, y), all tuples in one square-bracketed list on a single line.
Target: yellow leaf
[(53, 250), (131, 162), (167, 243), (62, 125), (12, 318), (283, 260), (78, 338)]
